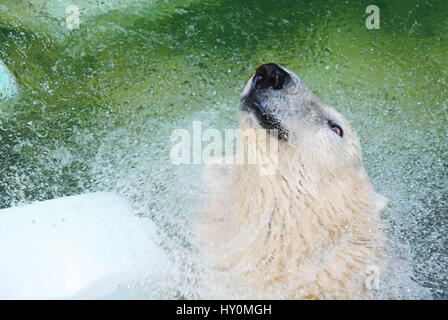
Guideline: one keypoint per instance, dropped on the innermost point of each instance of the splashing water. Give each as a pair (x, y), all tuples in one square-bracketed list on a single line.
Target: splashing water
[(98, 104)]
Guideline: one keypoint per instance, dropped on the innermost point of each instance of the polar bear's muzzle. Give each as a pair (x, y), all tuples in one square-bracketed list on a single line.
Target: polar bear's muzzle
[(268, 81)]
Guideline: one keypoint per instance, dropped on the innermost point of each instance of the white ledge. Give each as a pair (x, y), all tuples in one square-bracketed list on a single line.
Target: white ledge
[(89, 246)]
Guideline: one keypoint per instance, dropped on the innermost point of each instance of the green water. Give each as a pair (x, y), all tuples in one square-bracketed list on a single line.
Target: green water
[(98, 104)]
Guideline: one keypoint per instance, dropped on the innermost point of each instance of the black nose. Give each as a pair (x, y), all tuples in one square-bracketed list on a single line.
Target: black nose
[(270, 75)]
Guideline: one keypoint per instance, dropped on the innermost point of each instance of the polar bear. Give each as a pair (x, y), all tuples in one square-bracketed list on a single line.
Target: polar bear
[(309, 230)]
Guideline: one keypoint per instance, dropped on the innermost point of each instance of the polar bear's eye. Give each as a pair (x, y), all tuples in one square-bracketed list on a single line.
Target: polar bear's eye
[(336, 128)]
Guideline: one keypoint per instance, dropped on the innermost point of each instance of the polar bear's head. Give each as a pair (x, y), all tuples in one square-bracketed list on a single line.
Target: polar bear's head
[(276, 98)]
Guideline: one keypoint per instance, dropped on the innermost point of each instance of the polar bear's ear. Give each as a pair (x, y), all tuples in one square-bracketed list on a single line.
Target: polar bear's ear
[(380, 202)]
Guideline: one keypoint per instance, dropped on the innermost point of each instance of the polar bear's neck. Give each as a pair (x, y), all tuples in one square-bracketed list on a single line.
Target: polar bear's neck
[(262, 228), (293, 201), (289, 210), (266, 227)]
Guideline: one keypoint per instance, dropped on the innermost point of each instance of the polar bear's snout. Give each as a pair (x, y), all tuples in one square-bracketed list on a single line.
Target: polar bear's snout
[(264, 95)]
